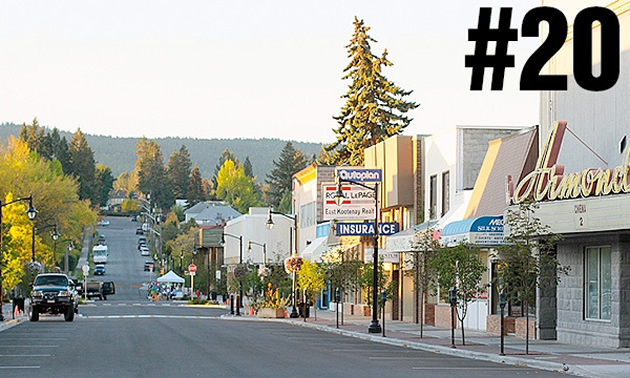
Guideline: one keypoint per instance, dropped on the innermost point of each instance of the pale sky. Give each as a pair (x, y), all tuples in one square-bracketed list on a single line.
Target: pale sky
[(246, 69)]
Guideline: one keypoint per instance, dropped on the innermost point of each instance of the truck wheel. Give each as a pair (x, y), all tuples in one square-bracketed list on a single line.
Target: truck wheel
[(33, 313), (104, 297), (68, 315)]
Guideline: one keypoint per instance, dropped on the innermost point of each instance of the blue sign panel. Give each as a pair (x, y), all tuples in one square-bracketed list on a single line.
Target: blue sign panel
[(360, 174), (357, 228)]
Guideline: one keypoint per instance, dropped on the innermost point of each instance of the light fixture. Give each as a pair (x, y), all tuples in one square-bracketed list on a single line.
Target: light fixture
[(339, 196), (249, 246), (32, 211), (222, 241), (55, 235), (269, 223)]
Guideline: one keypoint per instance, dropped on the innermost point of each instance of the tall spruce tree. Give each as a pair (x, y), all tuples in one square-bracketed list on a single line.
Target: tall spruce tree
[(82, 166), (56, 147), (33, 135), (152, 177), (196, 192), (179, 169), (375, 107), (104, 182), (281, 177)]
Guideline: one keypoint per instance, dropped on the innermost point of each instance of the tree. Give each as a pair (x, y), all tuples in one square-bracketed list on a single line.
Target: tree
[(127, 182), (103, 184), (196, 192), (236, 188), (56, 147), (281, 177), (285, 205), (375, 107), (225, 156), (33, 135), (179, 170), (248, 168), (422, 271), (152, 177), (82, 166), (460, 267), (528, 259), (311, 279)]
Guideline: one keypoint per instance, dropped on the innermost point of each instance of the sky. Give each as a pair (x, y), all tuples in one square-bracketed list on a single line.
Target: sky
[(246, 69)]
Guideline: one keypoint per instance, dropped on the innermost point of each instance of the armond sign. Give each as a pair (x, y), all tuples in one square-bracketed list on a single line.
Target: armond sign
[(548, 181)]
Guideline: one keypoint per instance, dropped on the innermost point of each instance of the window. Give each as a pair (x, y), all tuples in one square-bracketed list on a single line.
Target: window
[(433, 197), (446, 188), (597, 286)]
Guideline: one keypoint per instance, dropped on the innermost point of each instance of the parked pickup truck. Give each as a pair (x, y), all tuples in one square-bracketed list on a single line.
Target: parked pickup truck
[(53, 293), (100, 289)]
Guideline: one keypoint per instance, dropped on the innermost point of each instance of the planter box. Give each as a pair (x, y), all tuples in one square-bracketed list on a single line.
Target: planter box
[(363, 310), (493, 325), (520, 328), (271, 313), (443, 316)]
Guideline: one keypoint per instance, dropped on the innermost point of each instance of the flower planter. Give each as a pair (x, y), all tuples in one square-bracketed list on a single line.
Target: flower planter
[(271, 313)]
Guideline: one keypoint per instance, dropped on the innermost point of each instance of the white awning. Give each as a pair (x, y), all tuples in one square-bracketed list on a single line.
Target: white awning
[(407, 240), (315, 250), (171, 277)]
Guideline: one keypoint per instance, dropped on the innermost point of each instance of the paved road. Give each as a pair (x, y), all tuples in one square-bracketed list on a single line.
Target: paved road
[(128, 336)]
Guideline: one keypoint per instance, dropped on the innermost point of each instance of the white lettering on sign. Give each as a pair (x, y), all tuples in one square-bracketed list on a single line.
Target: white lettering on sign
[(360, 174)]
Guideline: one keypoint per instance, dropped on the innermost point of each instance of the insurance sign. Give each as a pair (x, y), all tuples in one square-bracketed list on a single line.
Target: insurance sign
[(365, 228), (358, 203)]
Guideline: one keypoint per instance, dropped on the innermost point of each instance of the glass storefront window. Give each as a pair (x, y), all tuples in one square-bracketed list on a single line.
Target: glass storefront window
[(598, 283)]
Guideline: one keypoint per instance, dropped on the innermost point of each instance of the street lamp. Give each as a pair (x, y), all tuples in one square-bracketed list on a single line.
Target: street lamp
[(264, 247), (339, 197), (240, 261), (66, 264), (270, 224), (55, 235), (32, 213)]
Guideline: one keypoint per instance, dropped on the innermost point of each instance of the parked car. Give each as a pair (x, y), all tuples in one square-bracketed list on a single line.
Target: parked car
[(144, 251), (99, 270), (101, 240), (53, 293), (103, 223), (134, 218), (139, 231)]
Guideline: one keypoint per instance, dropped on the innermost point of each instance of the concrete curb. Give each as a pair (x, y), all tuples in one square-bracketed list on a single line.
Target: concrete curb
[(10, 324)]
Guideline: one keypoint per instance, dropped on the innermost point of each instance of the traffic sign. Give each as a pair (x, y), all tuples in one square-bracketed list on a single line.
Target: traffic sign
[(86, 269), (192, 268)]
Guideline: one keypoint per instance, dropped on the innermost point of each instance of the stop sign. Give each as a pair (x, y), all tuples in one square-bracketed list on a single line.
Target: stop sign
[(192, 268)]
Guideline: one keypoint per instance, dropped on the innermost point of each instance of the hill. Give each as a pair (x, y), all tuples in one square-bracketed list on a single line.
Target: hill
[(120, 153)]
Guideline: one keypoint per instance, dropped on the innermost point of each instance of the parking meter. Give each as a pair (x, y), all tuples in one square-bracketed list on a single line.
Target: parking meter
[(337, 295), (452, 296), (383, 296), (502, 300)]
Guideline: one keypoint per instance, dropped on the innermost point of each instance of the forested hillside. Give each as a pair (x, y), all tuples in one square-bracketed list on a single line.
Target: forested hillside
[(119, 153)]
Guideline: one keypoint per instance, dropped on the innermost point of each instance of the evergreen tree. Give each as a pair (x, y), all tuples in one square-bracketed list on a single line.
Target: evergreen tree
[(247, 168), (152, 176), (82, 166), (56, 147), (281, 177), (375, 107), (196, 192), (179, 169), (33, 135), (104, 184)]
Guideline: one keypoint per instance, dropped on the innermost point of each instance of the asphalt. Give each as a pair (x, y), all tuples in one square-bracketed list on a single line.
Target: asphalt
[(543, 354)]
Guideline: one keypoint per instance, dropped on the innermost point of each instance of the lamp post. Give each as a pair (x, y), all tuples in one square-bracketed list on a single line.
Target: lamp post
[(270, 224), (70, 247), (502, 303), (32, 213), (452, 298), (264, 247), (55, 235), (339, 197), (239, 298)]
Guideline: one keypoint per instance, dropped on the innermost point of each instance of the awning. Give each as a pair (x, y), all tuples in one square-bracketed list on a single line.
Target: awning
[(482, 231), (314, 251), (170, 277), (407, 240)]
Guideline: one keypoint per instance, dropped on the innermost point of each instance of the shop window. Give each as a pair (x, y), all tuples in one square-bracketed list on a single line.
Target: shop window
[(597, 283), (446, 188), (433, 197)]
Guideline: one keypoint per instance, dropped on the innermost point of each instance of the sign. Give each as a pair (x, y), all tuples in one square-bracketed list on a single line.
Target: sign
[(481, 231), (356, 228), (360, 174), (383, 256), (358, 203), (192, 268), (548, 181), (86, 269)]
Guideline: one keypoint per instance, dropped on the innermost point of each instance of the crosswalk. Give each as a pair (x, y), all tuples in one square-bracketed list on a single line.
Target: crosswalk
[(148, 304)]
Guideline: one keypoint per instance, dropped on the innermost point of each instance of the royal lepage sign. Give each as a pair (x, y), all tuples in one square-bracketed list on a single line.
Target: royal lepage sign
[(358, 204)]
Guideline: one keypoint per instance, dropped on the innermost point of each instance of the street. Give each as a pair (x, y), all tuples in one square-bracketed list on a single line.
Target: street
[(129, 336)]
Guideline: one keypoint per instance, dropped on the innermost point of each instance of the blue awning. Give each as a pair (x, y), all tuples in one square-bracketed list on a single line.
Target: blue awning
[(483, 231)]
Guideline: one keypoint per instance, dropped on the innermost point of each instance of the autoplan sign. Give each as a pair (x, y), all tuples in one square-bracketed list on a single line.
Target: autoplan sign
[(356, 228), (360, 174), (358, 203)]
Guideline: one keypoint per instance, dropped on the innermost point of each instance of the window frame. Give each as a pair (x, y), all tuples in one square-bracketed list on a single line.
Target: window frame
[(600, 288)]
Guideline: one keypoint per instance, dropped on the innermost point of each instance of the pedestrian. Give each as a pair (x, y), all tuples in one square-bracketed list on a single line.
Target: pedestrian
[(198, 294)]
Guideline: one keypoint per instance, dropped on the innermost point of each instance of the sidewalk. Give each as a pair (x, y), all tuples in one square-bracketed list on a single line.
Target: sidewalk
[(9, 319), (544, 354)]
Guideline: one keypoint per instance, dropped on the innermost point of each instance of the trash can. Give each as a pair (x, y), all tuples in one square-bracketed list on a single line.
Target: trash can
[(304, 308)]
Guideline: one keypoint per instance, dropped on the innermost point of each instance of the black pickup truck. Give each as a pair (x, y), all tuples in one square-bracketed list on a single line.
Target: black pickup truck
[(53, 293)]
